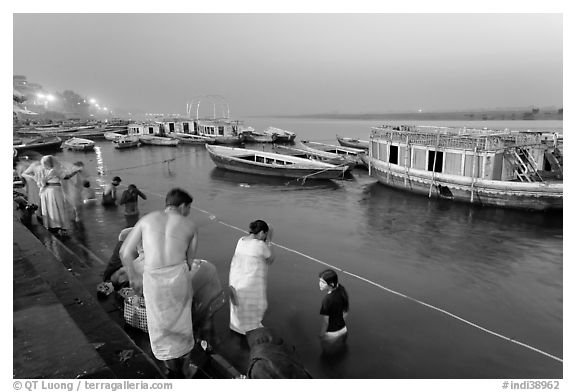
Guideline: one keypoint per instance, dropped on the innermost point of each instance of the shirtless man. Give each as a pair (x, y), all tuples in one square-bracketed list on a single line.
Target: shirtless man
[(169, 240)]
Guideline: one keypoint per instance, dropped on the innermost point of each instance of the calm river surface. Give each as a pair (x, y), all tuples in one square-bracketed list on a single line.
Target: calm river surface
[(496, 269)]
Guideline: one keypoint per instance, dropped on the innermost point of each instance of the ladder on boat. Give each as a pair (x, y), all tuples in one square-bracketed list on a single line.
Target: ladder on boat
[(525, 166)]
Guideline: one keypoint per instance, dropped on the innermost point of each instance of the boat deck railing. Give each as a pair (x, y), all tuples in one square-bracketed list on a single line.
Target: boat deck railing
[(459, 138)]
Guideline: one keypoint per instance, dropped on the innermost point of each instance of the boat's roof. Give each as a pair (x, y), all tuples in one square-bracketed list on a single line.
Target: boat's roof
[(233, 152), (454, 137)]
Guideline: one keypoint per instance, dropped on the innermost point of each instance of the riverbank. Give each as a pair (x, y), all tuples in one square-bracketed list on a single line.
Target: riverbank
[(86, 337)]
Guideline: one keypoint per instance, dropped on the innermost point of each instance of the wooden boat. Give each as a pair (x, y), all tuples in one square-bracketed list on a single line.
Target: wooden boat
[(109, 135), (158, 140), (91, 134), (126, 141), (322, 156), (186, 138), (352, 155), (252, 136), (280, 135), (79, 144), (40, 144), (52, 130), (354, 143), (511, 169), (272, 164)]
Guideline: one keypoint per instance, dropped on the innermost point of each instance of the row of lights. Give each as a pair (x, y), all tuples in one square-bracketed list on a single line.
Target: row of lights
[(50, 98)]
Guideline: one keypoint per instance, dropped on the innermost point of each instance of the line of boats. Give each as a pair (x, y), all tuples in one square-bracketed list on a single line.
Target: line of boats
[(500, 168), (504, 168)]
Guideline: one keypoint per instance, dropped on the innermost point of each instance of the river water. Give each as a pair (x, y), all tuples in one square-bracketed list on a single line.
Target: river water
[(436, 288)]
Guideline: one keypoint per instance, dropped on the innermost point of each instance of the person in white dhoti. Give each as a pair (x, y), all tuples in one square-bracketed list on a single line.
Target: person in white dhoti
[(249, 278), (169, 240)]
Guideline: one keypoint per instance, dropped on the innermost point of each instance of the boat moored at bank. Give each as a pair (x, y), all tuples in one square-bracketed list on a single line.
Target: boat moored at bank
[(45, 143), (79, 144), (351, 155), (502, 168), (126, 141), (272, 164), (354, 143)]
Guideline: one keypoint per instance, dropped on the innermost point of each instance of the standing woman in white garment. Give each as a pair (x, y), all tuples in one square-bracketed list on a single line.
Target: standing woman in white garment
[(49, 177), (249, 278)]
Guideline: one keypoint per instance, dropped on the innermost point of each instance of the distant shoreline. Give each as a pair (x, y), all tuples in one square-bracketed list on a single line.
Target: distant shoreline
[(445, 116)]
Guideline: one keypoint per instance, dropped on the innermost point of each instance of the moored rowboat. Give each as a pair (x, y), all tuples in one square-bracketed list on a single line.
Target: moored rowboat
[(186, 138), (321, 156), (272, 164), (351, 155), (158, 140), (40, 144), (354, 143), (126, 141), (79, 144)]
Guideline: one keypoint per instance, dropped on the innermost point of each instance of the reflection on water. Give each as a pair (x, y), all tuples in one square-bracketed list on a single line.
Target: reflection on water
[(269, 183)]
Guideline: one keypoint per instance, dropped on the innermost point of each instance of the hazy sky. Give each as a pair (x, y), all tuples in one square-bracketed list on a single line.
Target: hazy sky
[(296, 63)]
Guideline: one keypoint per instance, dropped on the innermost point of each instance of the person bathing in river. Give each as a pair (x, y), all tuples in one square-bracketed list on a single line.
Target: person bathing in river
[(109, 194), (249, 278), (169, 241), (334, 310), (130, 201)]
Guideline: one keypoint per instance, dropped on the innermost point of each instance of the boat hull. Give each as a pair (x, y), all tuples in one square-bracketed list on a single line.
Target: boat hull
[(352, 157), (51, 145), (125, 145), (244, 166), (192, 139), (159, 141), (506, 194), (226, 139), (354, 143)]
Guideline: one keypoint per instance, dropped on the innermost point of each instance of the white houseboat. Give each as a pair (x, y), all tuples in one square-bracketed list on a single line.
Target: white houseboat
[(512, 169)]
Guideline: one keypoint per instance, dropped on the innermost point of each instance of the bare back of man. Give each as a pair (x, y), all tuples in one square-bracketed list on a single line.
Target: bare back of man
[(169, 241)]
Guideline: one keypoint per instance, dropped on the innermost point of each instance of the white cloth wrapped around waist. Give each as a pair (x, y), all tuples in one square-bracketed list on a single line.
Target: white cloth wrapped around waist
[(168, 294)]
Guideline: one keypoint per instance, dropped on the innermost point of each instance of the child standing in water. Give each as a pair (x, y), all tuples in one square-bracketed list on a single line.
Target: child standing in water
[(334, 310)]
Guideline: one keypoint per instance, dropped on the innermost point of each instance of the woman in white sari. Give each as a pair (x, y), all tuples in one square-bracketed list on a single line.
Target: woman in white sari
[(49, 178), (248, 278)]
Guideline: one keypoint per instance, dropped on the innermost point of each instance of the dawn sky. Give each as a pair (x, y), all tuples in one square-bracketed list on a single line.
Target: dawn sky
[(296, 63)]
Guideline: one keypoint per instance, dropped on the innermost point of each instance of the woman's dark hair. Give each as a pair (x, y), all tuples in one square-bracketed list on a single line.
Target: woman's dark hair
[(86, 184), (331, 278), (257, 226), (177, 197)]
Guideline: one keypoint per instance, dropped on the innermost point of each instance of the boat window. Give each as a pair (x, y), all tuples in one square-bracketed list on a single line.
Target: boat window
[(259, 159), (393, 154), (269, 160), (435, 166), (220, 130)]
